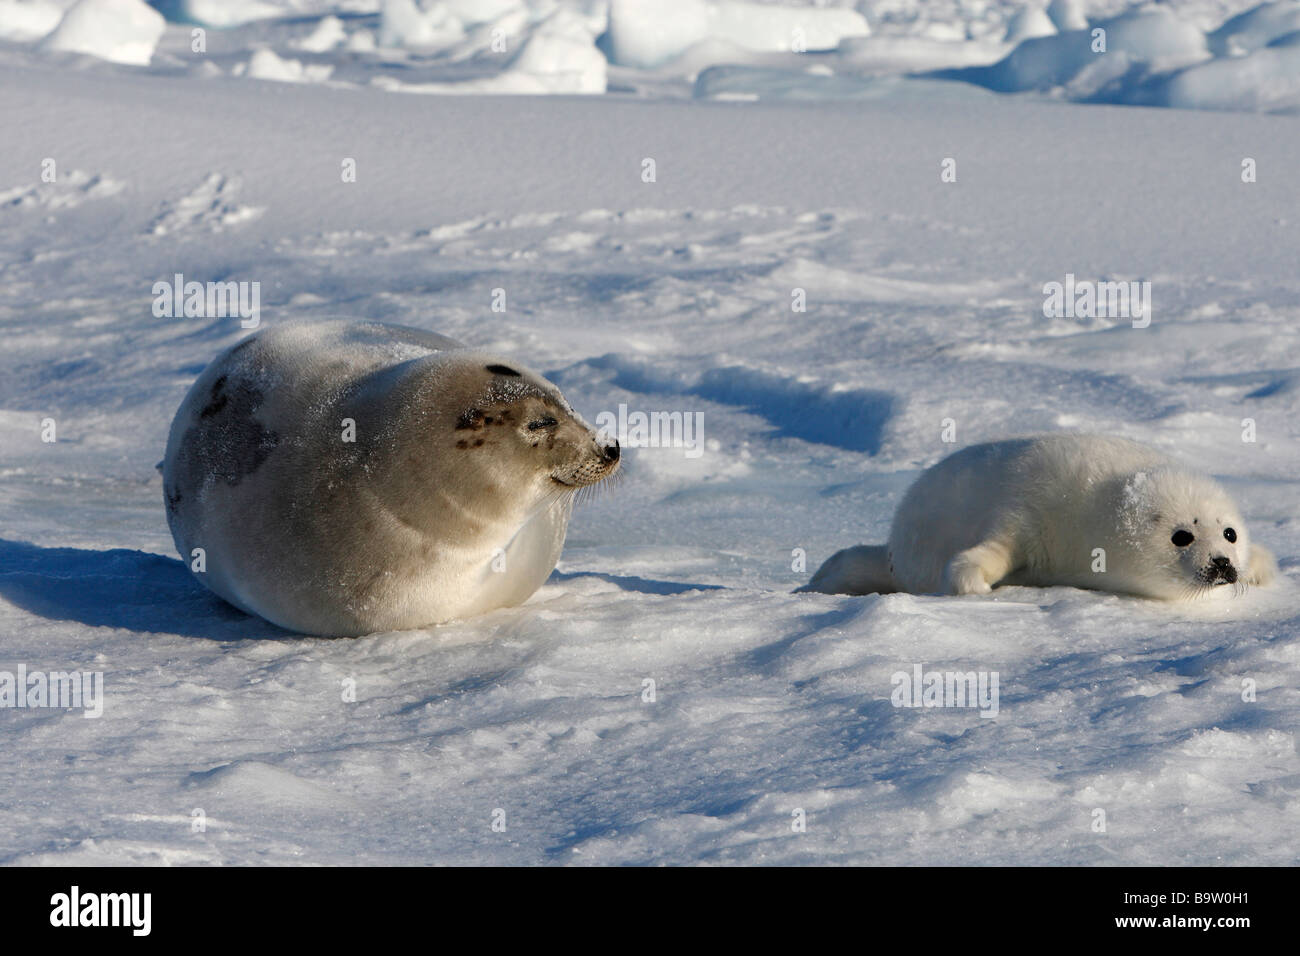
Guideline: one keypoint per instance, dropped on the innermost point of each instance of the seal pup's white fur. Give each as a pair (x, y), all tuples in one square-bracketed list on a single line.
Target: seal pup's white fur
[(452, 500), (1035, 511)]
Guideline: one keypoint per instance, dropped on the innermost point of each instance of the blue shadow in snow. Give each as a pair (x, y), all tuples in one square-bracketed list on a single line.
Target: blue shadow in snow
[(634, 583), (853, 419), (132, 590)]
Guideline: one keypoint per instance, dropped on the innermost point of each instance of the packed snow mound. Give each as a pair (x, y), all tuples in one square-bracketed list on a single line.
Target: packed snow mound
[(363, 41), (403, 24), (328, 34), (748, 83), (649, 33), (893, 54), (1267, 80), (27, 20), (462, 29), (222, 14), (483, 11), (1067, 15), (265, 65), (1139, 42), (120, 31), (1030, 21), (559, 56), (1148, 56), (1255, 28), (1145, 55)]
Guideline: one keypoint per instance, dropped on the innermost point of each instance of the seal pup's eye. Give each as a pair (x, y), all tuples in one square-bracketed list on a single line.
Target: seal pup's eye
[(1182, 538), (503, 370), (547, 422), (1231, 535)]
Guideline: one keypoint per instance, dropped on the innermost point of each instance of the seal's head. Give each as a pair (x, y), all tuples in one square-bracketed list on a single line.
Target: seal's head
[(1188, 534), (513, 422)]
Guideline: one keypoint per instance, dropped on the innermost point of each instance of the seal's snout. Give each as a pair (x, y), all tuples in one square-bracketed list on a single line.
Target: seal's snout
[(1220, 571), (595, 462)]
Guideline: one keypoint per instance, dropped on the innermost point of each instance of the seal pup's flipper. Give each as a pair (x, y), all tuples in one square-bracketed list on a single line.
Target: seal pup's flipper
[(1263, 567), (977, 570)]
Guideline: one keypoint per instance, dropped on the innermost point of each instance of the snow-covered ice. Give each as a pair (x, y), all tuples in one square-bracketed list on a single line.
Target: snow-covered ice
[(924, 302)]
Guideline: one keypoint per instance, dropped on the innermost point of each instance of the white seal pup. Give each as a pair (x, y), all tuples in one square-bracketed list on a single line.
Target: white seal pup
[(344, 478), (1081, 510)]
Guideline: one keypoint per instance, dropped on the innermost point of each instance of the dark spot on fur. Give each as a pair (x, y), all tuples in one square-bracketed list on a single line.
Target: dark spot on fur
[(173, 499), (463, 443), (503, 370), (227, 442), (218, 399), (470, 419), (478, 442)]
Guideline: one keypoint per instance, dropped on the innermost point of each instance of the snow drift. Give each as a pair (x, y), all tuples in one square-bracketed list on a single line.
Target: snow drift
[(120, 31)]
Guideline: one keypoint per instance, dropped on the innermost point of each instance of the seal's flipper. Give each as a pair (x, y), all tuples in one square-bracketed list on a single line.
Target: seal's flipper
[(978, 570), (1263, 567)]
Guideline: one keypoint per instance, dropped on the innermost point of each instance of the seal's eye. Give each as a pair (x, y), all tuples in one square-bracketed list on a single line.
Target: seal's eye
[(1182, 538), (547, 422), (1231, 535)]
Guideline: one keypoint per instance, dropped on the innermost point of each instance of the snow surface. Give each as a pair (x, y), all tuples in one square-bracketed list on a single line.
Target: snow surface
[(924, 303)]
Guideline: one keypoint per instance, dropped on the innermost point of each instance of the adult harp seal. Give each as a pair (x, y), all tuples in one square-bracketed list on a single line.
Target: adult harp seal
[(344, 478)]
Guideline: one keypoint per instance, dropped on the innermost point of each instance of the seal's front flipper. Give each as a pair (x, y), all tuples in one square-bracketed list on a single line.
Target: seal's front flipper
[(861, 570), (1263, 568)]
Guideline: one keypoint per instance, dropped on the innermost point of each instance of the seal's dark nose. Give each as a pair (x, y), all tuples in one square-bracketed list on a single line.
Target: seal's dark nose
[(1221, 571), (611, 452)]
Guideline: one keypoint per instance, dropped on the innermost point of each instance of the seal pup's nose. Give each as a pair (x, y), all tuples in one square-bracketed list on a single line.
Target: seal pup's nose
[(1221, 562), (611, 452)]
